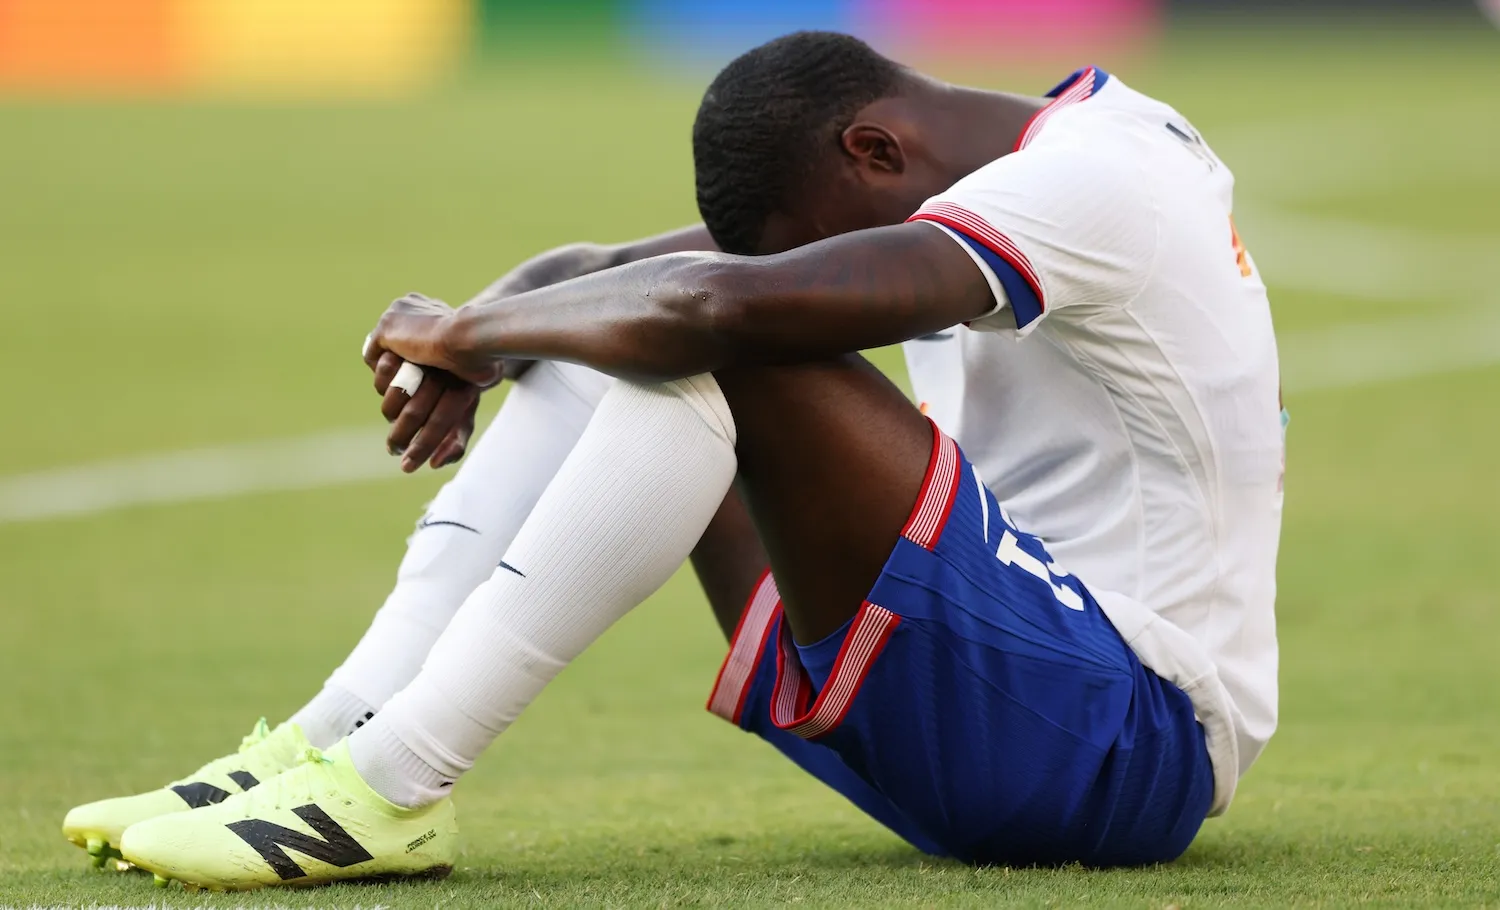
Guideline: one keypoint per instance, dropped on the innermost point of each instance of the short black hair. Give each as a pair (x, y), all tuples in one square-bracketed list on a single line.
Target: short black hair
[(767, 117)]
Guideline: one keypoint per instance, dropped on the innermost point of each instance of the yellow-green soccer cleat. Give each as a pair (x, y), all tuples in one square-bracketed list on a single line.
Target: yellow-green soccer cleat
[(262, 755), (313, 825)]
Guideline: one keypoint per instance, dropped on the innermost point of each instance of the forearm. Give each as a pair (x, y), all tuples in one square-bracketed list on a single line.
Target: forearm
[(679, 315), (692, 239), (626, 320), (579, 259)]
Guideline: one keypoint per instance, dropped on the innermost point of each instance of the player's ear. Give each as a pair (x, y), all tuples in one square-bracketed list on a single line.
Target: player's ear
[(873, 147)]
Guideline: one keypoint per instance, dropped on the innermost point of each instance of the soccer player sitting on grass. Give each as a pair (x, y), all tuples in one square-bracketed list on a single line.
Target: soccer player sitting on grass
[(1038, 630)]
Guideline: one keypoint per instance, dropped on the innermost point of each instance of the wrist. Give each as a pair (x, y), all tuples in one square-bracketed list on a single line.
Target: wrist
[(458, 338)]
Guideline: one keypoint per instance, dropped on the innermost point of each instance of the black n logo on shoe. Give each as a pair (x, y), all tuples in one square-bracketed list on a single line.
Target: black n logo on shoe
[(198, 794), (336, 848)]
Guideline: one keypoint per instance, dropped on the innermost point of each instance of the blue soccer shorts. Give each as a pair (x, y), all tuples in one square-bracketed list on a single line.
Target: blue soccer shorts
[(979, 703)]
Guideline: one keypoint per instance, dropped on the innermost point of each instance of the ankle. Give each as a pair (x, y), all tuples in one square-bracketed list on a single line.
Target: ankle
[(390, 768), (331, 715)]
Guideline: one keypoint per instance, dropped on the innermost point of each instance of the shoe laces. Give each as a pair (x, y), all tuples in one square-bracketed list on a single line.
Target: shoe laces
[(258, 734), (313, 756), (296, 786)]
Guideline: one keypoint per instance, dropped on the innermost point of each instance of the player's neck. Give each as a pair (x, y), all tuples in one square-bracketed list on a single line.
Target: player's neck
[(976, 127)]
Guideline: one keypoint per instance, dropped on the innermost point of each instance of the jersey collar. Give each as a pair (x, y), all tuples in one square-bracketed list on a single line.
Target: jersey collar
[(1080, 86)]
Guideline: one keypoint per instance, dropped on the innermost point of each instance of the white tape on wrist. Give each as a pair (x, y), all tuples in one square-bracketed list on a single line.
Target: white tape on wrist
[(408, 379), (364, 352)]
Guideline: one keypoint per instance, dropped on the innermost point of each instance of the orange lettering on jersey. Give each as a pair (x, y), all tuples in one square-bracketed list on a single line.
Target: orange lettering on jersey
[(1241, 257)]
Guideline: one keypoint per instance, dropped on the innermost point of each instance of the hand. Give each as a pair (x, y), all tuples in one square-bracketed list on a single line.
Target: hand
[(434, 425), (549, 268), (437, 423), (421, 330)]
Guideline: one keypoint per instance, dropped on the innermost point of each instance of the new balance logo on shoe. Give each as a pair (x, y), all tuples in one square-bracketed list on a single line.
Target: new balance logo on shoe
[(198, 794), (271, 841)]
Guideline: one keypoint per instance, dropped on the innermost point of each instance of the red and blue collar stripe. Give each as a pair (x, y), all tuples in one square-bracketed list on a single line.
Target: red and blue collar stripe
[(1080, 86)]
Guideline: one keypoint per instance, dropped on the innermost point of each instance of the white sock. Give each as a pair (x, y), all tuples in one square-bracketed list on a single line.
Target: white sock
[(619, 518), (332, 714), (459, 541)]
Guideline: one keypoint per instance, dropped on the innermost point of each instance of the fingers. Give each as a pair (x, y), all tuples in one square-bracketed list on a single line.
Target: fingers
[(432, 419), (375, 348), (452, 449), (386, 366), (457, 442), (453, 411), (408, 414), (373, 351)]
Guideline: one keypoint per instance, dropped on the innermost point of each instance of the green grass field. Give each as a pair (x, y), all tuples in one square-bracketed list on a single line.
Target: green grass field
[(189, 274)]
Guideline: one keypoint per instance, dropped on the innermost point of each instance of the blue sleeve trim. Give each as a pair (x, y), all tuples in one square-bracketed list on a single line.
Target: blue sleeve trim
[(1023, 300)]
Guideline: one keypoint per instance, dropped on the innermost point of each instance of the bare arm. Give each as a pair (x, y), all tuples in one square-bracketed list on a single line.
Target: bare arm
[(444, 409), (683, 314), (577, 259)]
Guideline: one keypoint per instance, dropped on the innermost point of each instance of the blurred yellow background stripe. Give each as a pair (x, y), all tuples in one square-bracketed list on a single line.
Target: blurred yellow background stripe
[(350, 45), (276, 47)]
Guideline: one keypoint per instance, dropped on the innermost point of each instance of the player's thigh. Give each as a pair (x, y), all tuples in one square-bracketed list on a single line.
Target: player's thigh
[(831, 457), (729, 561)]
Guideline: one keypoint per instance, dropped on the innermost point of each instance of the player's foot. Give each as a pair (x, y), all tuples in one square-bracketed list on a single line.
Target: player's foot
[(313, 825), (262, 755)]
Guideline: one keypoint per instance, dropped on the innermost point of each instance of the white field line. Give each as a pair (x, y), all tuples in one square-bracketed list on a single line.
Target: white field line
[(1351, 355), (296, 463), (1338, 357), (1369, 261), (1335, 155), (1338, 154)]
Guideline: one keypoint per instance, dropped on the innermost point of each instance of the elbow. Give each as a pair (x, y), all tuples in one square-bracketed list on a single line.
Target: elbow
[(710, 308), (709, 293)]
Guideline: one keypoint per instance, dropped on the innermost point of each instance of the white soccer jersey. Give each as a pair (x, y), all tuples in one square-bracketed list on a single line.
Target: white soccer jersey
[(1122, 399)]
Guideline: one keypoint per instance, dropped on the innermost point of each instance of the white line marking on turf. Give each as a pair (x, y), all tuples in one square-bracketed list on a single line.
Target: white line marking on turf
[(1318, 160), (296, 463), (1337, 357), (1351, 355), (1367, 261), (1336, 155)]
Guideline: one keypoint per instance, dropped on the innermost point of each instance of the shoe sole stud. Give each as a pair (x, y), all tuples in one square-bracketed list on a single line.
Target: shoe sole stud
[(101, 853), (436, 873)]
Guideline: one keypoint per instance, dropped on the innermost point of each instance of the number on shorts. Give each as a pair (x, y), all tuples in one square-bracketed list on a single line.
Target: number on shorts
[(1011, 554)]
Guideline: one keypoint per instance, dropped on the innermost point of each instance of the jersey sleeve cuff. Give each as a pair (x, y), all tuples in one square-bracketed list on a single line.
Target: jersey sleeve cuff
[(1010, 274)]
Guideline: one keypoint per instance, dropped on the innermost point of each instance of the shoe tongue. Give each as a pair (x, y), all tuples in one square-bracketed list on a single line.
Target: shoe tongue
[(290, 736), (279, 749)]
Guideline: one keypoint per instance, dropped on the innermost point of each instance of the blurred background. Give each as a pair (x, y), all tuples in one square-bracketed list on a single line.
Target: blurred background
[(204, 205), (333, 48)]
